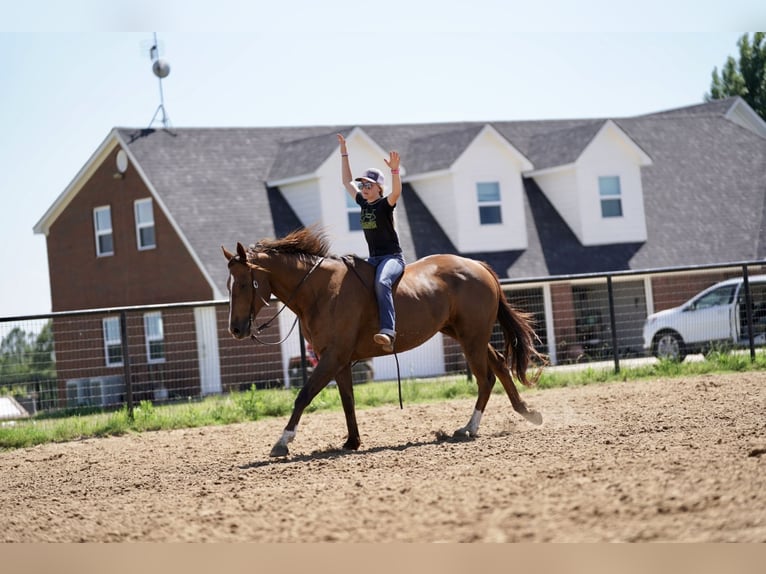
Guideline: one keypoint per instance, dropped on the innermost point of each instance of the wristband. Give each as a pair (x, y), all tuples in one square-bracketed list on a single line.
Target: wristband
[(344, 155), (395, 171)]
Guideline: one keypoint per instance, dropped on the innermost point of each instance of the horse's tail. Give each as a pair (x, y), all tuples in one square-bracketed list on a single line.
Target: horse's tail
[(520, 338)]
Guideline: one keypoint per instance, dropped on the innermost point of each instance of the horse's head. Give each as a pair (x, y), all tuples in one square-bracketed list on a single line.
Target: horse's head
[(249, 292)]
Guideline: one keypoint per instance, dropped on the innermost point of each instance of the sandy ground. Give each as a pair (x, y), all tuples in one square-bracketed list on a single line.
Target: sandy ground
[(666, 460)]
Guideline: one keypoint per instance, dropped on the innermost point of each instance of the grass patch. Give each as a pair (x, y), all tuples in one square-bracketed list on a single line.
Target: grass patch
[(255, 404)]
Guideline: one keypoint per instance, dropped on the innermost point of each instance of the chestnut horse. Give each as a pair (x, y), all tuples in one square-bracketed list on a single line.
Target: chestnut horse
[(333, 298)]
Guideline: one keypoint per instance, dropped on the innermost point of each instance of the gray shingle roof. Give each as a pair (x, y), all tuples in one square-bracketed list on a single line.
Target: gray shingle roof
[(439, 151), (704, 194), (561, 147), (712, 108), (303, 156)]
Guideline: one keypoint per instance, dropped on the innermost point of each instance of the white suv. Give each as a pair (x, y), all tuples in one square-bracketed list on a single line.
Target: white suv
[(717, 315)]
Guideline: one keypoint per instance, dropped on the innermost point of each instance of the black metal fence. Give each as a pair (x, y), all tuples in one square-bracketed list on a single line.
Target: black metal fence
[(102, 358)]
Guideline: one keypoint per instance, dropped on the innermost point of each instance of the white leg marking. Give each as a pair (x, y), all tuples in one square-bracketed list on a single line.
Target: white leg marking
[(473, 425), (287, 437)]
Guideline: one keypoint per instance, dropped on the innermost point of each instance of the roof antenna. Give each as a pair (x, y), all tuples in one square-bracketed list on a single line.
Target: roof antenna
[(161, 69)]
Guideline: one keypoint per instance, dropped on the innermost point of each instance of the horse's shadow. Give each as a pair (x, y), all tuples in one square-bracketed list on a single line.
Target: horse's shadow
[(331, 453)]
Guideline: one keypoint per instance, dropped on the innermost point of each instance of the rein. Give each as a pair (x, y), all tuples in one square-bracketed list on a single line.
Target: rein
[(285, 304)]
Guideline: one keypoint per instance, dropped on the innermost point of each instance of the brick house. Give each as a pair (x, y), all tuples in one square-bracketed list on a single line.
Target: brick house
[(143, 221)]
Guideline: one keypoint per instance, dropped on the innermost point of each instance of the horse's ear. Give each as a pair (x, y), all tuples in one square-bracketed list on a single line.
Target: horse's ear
[(226, 253), (241, 252)]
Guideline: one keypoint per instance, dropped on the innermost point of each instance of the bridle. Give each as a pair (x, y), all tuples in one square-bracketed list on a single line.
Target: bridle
[(285, 304)]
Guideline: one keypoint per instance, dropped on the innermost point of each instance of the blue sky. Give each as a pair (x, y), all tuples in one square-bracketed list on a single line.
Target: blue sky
[(316, 63)]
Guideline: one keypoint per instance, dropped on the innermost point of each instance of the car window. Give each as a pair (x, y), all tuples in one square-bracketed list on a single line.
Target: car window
[(757, 293), (720, 296)]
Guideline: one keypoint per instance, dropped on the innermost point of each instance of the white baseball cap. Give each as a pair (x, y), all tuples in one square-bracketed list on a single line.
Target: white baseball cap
[(373, 175)]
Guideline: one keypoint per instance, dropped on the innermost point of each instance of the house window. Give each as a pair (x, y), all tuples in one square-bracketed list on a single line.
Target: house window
[(353, 209), (488, 197), (145, 224), (112, 341), (155, 338), (102, 223), (611, 196)]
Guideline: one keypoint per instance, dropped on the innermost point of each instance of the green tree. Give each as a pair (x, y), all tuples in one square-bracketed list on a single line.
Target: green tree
[(42, 359), (27, 364), (745, 77), (15, 352)]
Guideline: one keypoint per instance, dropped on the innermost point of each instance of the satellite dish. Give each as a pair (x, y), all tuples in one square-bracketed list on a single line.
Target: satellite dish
[(122, 161), (161, 68)]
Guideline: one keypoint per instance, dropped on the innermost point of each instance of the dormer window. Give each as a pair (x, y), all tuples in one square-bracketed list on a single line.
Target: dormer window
[(611, 196), (488, 197)]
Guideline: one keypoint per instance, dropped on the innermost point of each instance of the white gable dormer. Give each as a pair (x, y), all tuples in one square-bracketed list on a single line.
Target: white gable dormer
[(319, 196), (338, 210), (600, 195), (478, 200)]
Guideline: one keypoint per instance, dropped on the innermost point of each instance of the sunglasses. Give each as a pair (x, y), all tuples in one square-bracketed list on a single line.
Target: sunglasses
[(365, 185)]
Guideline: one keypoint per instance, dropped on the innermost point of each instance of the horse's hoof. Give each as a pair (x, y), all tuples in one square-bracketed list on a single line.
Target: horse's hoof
[(351, 445), (534, 417), (462, 434), (279, 449)]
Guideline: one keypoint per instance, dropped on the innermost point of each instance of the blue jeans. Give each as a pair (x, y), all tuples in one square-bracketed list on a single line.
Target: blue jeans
[(388, 268)]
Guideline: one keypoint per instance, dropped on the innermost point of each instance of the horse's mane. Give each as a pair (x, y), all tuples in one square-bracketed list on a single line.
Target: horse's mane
[(305, 241)]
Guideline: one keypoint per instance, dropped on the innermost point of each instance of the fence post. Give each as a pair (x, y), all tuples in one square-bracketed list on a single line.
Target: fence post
[(126, 363), (748, 312), (613, 324)]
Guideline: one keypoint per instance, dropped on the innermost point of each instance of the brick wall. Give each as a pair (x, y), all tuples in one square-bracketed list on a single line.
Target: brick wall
[(81, 280)]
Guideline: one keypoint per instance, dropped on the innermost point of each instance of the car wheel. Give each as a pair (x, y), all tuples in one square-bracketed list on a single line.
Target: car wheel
[(670, 346), (361, 372), (295, 377)]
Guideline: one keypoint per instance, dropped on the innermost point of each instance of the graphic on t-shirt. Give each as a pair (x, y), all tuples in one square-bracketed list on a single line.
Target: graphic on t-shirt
[(369, 221)]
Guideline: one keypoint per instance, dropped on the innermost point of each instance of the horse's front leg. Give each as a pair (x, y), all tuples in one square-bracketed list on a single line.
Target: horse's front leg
[(318, 380), (346, 389)]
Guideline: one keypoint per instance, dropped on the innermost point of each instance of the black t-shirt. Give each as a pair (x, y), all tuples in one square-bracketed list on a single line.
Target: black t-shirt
[(378, 225)]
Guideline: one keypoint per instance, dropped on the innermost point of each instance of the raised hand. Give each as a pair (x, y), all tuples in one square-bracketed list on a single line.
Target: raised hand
[(393, 160)]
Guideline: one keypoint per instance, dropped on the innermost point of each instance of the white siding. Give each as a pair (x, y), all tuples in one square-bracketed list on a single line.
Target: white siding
[(451, 198), (609, 155), (304, 198), (427, 360), (561, 189), (574, 190), (438, 195), (488, 159)]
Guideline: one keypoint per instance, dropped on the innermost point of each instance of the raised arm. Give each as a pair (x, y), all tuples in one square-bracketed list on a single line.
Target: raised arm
[(345, 168), (396, 181)]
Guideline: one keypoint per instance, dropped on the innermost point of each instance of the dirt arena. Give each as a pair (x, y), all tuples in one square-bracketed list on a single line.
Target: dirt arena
[(666, 460)]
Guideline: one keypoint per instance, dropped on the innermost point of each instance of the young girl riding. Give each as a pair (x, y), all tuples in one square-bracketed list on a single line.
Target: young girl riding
[(377, 220)]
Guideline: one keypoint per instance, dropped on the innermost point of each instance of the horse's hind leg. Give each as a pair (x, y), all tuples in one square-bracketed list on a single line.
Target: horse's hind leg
[(498, 367), (346, 390), (485, 379)]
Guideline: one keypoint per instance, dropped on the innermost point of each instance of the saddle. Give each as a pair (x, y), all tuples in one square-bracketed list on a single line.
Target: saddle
[(366, 272)]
